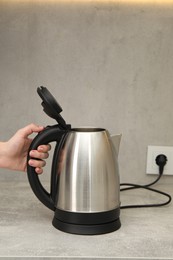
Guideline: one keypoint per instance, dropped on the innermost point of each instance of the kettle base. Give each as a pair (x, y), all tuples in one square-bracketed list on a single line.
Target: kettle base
[(87, 223), (87, 229)]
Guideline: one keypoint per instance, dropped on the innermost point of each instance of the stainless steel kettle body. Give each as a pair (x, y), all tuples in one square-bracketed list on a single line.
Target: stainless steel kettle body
[(84, 181), (88, 172)]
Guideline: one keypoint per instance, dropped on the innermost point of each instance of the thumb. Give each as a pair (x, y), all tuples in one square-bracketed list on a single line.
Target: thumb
[(29, 129)]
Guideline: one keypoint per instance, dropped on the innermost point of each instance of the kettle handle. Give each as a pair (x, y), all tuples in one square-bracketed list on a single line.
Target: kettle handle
[(49, 134)]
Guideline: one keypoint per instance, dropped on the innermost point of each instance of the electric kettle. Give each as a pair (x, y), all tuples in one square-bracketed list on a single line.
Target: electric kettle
[(84, 185)]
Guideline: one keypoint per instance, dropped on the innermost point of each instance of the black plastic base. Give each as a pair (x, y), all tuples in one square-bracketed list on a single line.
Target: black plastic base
[(87, 223)]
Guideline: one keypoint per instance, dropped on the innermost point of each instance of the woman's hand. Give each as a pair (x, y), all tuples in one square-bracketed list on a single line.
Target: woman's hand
[(13, 153)]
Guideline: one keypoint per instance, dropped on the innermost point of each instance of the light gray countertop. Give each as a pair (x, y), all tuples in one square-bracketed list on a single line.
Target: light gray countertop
[(26, 229)]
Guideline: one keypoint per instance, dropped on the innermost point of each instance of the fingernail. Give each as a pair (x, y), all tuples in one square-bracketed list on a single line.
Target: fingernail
[(31, 162), (40, 148), (31, 153), (39, 171)]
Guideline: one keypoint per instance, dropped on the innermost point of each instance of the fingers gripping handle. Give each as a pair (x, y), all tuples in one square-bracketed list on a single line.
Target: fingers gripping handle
[(50, 134)]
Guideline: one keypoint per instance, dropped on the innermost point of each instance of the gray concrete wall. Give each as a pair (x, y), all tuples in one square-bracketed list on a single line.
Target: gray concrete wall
[(108, 64)]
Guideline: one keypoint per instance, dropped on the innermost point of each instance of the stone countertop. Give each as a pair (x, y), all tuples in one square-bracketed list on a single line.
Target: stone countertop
[(26, 229)]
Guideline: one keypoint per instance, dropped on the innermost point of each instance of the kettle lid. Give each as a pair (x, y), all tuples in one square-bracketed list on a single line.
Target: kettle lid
[(51, 106)]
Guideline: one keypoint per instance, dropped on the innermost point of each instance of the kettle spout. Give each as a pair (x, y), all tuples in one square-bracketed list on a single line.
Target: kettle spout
[(116, 139)]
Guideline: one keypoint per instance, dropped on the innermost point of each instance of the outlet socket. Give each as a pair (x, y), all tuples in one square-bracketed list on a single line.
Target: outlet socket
[(153, 151)]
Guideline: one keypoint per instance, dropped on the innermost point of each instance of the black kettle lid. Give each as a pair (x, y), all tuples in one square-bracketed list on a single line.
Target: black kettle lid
[(51, 106)]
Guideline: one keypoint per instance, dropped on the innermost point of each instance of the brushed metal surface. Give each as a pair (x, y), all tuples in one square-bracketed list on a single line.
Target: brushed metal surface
[(88, 177)]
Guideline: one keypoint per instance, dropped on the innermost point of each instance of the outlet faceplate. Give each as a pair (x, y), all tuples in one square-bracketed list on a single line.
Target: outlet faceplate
[(153, 151)]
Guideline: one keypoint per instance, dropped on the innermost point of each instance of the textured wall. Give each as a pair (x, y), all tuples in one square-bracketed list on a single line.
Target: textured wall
[(109, 64)]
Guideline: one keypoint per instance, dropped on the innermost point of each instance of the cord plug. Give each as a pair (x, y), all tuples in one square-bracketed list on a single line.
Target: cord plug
[(161, 161)]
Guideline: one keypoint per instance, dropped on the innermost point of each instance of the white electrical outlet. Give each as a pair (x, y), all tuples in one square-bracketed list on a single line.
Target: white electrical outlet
[(153, 151)]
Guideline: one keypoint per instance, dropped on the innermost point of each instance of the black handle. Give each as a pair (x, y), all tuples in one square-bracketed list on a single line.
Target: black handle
[(50, 134)]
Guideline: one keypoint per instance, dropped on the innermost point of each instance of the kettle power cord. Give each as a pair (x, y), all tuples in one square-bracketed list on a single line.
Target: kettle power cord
[(161, 160)]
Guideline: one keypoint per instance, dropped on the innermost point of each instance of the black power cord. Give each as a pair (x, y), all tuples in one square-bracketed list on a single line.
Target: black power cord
[(161, 161)]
